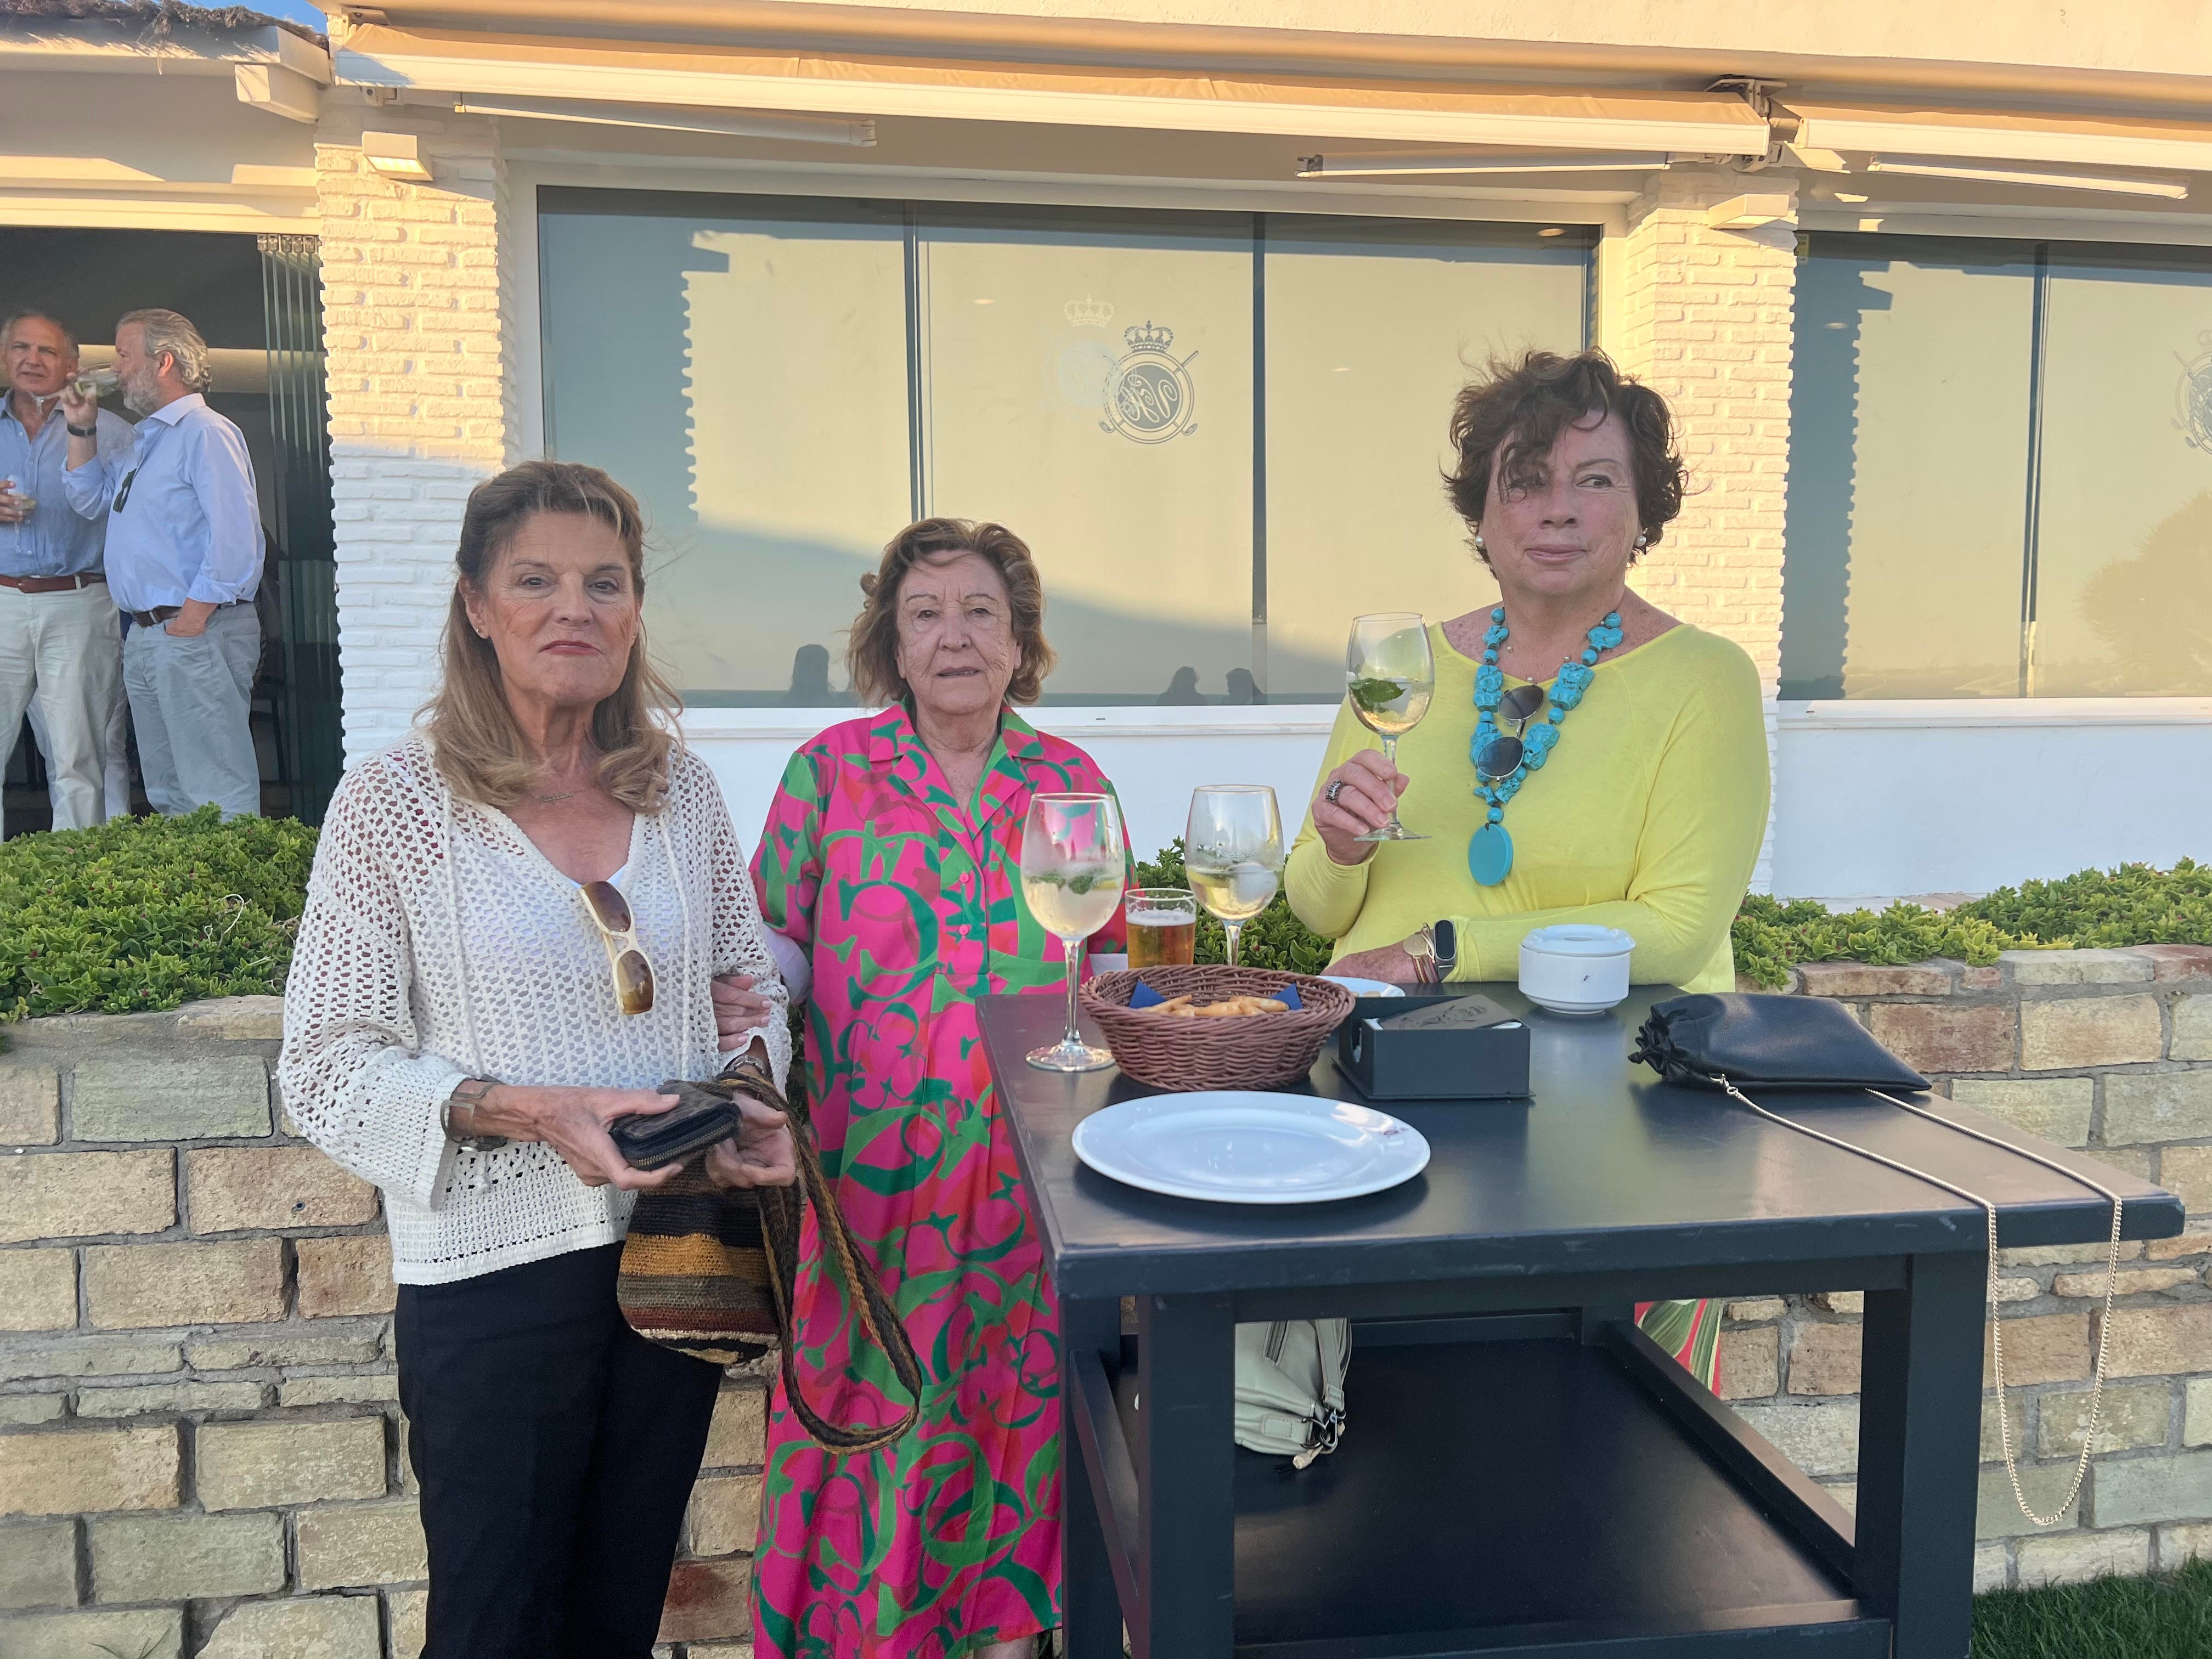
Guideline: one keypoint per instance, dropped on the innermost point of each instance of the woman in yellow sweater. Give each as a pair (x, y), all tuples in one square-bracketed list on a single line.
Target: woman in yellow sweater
[(1636, 794), (1643, 795)]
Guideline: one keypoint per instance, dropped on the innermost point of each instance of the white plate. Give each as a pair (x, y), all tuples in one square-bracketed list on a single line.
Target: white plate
[(1364, 988), (1242, 1146)]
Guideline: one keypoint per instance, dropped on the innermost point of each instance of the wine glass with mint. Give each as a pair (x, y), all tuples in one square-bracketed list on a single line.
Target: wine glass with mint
[(1389, 675)]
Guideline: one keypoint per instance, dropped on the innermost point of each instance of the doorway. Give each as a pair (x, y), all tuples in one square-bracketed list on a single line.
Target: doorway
[(258, 300)]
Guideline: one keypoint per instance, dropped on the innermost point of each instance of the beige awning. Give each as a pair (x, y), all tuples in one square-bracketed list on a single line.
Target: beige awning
[(2005, 136), (1316, 107)]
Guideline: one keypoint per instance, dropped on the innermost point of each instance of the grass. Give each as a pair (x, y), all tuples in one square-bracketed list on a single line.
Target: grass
[(2167, 1615)]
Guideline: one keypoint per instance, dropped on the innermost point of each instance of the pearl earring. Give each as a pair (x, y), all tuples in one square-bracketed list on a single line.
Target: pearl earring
[(1478, 547), (1642, 540)]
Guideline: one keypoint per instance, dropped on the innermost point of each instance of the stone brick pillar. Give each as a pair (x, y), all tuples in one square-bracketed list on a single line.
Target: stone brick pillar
[(413, 282), (1703, 316)]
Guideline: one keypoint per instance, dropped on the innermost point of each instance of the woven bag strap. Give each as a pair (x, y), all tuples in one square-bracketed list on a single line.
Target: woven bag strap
[(782, 1212)]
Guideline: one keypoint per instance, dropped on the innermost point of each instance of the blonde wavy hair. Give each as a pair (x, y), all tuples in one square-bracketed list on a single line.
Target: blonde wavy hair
[(478, 746)]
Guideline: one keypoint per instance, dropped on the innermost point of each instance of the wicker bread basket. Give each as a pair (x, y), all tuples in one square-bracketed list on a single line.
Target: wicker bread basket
[(1260, 1051)]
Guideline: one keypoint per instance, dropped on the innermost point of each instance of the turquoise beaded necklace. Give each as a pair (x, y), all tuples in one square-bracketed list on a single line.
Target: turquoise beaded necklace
[(1490, 850)]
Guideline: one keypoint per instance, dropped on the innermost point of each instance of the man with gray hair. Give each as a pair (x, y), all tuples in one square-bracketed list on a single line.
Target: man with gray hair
[(184, 559), (60, 653)]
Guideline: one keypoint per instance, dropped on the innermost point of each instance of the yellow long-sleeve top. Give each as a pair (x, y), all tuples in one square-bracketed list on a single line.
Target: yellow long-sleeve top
[(1646, 816)]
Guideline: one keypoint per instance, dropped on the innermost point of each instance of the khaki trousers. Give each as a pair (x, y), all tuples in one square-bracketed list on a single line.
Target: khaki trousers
[(61, 653)]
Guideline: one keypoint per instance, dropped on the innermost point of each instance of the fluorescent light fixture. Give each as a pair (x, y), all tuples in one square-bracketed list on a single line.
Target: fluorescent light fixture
[(734, 124), (395, 155), (1922, 166), (1554, 161)]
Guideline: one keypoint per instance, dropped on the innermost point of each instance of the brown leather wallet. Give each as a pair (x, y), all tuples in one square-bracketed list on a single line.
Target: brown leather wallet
[(651, 1140)]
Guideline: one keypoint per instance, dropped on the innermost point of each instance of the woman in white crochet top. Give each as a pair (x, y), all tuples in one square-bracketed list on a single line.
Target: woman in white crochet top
[(461, 1025)]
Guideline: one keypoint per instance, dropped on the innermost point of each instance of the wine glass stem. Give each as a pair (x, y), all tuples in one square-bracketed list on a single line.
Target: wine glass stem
[(1390, 760), (1232, 929), (1074, 950)]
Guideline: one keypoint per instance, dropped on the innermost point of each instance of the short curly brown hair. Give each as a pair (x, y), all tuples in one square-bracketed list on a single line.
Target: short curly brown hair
[(1509, 420), (872, 654)]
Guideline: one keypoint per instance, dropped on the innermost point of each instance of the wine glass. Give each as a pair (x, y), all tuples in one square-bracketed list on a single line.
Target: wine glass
[(1389, 675), (1072, 875), (1232, 853)]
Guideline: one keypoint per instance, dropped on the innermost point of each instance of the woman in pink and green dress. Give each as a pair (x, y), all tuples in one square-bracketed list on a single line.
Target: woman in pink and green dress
[(890, 870)]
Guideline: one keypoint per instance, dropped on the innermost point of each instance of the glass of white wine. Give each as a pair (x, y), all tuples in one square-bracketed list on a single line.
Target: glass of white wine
[(1073, 870), (1233, 852), (1389, 675)]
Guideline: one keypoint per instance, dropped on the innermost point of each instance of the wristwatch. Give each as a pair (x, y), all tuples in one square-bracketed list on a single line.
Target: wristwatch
[(458, 1114), (1434, 947), (82, 431)]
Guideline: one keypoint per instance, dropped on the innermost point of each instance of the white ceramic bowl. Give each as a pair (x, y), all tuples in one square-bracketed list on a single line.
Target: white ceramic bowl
[(1575, 968)]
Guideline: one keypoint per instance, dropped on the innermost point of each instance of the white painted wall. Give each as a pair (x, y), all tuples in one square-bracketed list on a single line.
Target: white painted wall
[(1156, 756), (1878, 800)]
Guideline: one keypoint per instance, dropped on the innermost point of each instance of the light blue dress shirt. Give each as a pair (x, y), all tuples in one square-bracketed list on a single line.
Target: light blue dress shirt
[(57, 539), (190, 526)]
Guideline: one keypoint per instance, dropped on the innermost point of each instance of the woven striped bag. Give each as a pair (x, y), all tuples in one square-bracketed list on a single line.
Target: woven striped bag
[(712, 1273)]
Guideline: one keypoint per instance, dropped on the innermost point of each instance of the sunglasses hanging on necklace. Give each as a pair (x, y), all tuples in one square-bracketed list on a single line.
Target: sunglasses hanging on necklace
[(1503, 762)]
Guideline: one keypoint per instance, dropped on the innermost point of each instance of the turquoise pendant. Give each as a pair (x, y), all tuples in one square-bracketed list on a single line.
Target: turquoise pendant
[(1490, 855)]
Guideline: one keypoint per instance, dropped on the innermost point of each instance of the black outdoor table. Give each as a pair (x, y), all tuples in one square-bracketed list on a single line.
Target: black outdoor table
[(1523, 1471)]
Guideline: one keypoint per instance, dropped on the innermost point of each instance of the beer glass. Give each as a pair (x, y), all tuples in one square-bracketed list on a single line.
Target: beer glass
[(1163, 923), (1072, 879)]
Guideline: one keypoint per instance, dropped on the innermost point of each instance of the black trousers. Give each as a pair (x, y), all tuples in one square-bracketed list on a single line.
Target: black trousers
[(556, 1449)]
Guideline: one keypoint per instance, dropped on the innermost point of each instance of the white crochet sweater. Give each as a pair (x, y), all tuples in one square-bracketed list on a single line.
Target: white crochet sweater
[(439, 943)]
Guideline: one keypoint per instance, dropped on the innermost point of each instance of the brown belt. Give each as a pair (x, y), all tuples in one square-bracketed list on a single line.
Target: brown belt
[(161, 613), (50, 583)]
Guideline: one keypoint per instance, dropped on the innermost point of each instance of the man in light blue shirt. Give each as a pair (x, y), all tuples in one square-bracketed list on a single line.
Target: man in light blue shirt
[(184, 559), (60, 647)]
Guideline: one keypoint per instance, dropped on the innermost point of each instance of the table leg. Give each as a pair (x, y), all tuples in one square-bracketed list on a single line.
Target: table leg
[(1920, 1415), (1186, 1456), (1091, 1611)]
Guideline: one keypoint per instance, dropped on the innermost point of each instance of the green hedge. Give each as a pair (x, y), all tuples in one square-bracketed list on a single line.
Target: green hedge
[(2134, 904), (147, 912)]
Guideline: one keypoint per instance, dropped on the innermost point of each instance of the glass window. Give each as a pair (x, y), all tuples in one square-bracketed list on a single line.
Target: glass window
[(746, 377), (2123, 537), (1372, 331), (1201, 422), (2000, 471), (1909, 446), (1088, 383)]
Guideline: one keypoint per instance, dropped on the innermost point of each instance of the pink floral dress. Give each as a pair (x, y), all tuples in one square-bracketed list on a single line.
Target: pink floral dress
[(910, 902)]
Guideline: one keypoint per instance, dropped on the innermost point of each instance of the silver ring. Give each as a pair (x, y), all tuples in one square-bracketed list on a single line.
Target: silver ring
[(1329, 795)]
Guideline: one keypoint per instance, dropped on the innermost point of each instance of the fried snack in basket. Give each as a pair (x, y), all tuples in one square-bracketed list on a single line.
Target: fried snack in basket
[(1233, 1008)]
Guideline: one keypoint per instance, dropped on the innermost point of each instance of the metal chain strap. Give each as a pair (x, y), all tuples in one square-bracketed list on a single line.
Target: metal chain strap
[(1997, 1325)]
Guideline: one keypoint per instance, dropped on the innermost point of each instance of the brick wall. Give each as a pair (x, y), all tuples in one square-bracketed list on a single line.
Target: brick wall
[(200, 1450), (199, 1442), (414, 276), (1705, 319), (2107, 1050)]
